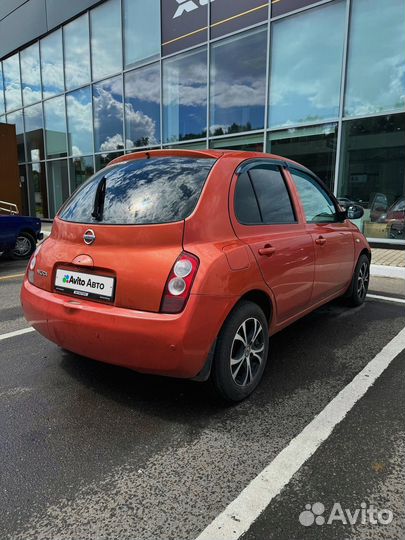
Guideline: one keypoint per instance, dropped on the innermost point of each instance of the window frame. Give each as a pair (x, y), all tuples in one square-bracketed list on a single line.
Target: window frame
[(279, 166)]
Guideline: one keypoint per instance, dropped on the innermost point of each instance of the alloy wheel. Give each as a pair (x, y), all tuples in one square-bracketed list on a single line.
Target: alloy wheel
[(362, 280), (247, 351), (22, 246)]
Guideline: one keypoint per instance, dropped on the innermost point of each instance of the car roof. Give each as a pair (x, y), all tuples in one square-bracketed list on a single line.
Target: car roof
[(214, 154)]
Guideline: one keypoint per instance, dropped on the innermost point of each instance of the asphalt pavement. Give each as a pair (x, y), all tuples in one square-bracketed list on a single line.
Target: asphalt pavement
[(96, 452)]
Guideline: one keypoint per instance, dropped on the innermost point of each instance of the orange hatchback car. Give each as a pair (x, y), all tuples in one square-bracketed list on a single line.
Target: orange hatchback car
[(183, 263)]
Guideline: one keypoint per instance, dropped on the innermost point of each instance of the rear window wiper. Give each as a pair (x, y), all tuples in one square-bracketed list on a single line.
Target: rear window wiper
[(99, 200)]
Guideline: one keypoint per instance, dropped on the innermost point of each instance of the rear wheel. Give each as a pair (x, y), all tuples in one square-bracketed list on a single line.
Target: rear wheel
[(24, 246), (360, 282), (241, 352)]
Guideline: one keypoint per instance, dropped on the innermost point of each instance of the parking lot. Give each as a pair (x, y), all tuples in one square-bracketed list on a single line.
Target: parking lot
[(92, 451)]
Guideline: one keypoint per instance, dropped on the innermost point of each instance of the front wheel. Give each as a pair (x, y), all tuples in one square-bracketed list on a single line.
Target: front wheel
[(241, 352), (360, 282), (24, 246)]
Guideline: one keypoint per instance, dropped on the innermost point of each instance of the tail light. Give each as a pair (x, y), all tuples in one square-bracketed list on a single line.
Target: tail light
[(179, 283), (32, 263)]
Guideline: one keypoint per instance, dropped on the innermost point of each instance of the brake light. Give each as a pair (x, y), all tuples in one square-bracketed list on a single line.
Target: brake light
[(32, 263), (179, 283)]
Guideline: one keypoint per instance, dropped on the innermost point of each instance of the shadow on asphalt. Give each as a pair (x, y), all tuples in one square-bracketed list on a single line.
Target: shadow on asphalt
[(321, 345)]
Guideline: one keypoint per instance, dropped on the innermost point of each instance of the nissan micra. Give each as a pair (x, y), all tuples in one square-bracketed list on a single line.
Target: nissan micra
[(183, 263)]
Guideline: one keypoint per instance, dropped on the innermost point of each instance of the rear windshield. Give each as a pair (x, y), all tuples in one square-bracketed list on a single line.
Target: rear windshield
[(145, 191)]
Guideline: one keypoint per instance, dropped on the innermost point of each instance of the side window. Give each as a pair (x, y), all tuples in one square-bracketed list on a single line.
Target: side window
[(246, 208), (318, 206), (272, 195)]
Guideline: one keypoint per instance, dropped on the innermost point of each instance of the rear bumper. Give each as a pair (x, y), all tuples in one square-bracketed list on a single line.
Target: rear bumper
[(174, 345)]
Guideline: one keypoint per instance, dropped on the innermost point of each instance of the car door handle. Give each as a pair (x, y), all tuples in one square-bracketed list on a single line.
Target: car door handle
[(320, 241), (267, 250)]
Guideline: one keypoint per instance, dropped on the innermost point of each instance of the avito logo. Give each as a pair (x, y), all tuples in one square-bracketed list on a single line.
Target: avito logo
[(189, 5), (79, 281)]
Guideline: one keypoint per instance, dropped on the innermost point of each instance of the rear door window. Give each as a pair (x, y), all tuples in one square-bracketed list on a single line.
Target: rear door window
[(262, 197), (140, 192)]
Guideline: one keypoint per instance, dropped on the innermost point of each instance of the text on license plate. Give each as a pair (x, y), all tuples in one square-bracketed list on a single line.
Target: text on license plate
[(85, 285)]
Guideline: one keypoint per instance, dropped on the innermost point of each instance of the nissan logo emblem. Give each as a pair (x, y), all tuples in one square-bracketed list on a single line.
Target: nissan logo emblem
[(89, 237)]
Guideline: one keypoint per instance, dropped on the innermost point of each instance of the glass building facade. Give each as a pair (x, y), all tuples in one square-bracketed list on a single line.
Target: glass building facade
[(322, 83)]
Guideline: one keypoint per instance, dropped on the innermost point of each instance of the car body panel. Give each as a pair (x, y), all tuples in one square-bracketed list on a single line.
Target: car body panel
[(11, 226)]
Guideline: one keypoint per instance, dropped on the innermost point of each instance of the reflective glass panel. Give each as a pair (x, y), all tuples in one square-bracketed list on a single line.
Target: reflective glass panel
[(30, 74), (238, 88), (185, 96), (372, 173), (306, 66), (79, 122), (12, 83), (106, 46), (34, 132), (250, 143), (52, 64), (58, 185), (141, 30), (17, 119), (376, 59), (108, 115), (142, 106), (102, 160), (37, 190), (2, 106), (81, 168), (55, 127), (77, 52), (314, 147)]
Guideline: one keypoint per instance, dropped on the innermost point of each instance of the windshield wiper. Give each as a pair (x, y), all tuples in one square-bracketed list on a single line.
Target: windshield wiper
[(99, 200)]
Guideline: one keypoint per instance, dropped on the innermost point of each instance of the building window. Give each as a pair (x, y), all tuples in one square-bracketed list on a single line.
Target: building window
[(30, 74), (102, 160), (142, 106), (238, 88), (34, 132), (141, 30), (37, 190), (58, 185), (55, 127), (108, 115), (306, 66), (81, 168), (185, 96), (2, 107), (12, 83), (249, 143), (314, 147), (52, 64), (77, 52), (80, 122), (376, 60), (106, 45), (372, 172), (16, 118)]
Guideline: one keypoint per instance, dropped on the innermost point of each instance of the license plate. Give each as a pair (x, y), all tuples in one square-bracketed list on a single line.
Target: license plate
[(84, 285)]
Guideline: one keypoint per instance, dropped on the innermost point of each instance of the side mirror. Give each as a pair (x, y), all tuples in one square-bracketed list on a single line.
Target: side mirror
[(355, 212)]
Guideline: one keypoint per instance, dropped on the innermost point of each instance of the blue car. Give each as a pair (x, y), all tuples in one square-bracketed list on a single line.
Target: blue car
[(19, 235)]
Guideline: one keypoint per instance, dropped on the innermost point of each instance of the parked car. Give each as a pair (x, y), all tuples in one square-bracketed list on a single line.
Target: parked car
[(19, 235), (395, 217), (183, 263)]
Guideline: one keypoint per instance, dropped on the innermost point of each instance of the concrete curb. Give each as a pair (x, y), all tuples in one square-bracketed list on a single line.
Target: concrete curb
[(380, 270)]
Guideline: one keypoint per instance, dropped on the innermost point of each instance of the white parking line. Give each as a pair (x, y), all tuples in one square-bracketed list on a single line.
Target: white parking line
[(387, 298), (236, 519), (16, 333)]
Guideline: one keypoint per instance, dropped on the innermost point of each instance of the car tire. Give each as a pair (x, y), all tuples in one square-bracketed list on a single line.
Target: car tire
[(241, 352), (361, 278), (24, 247)]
